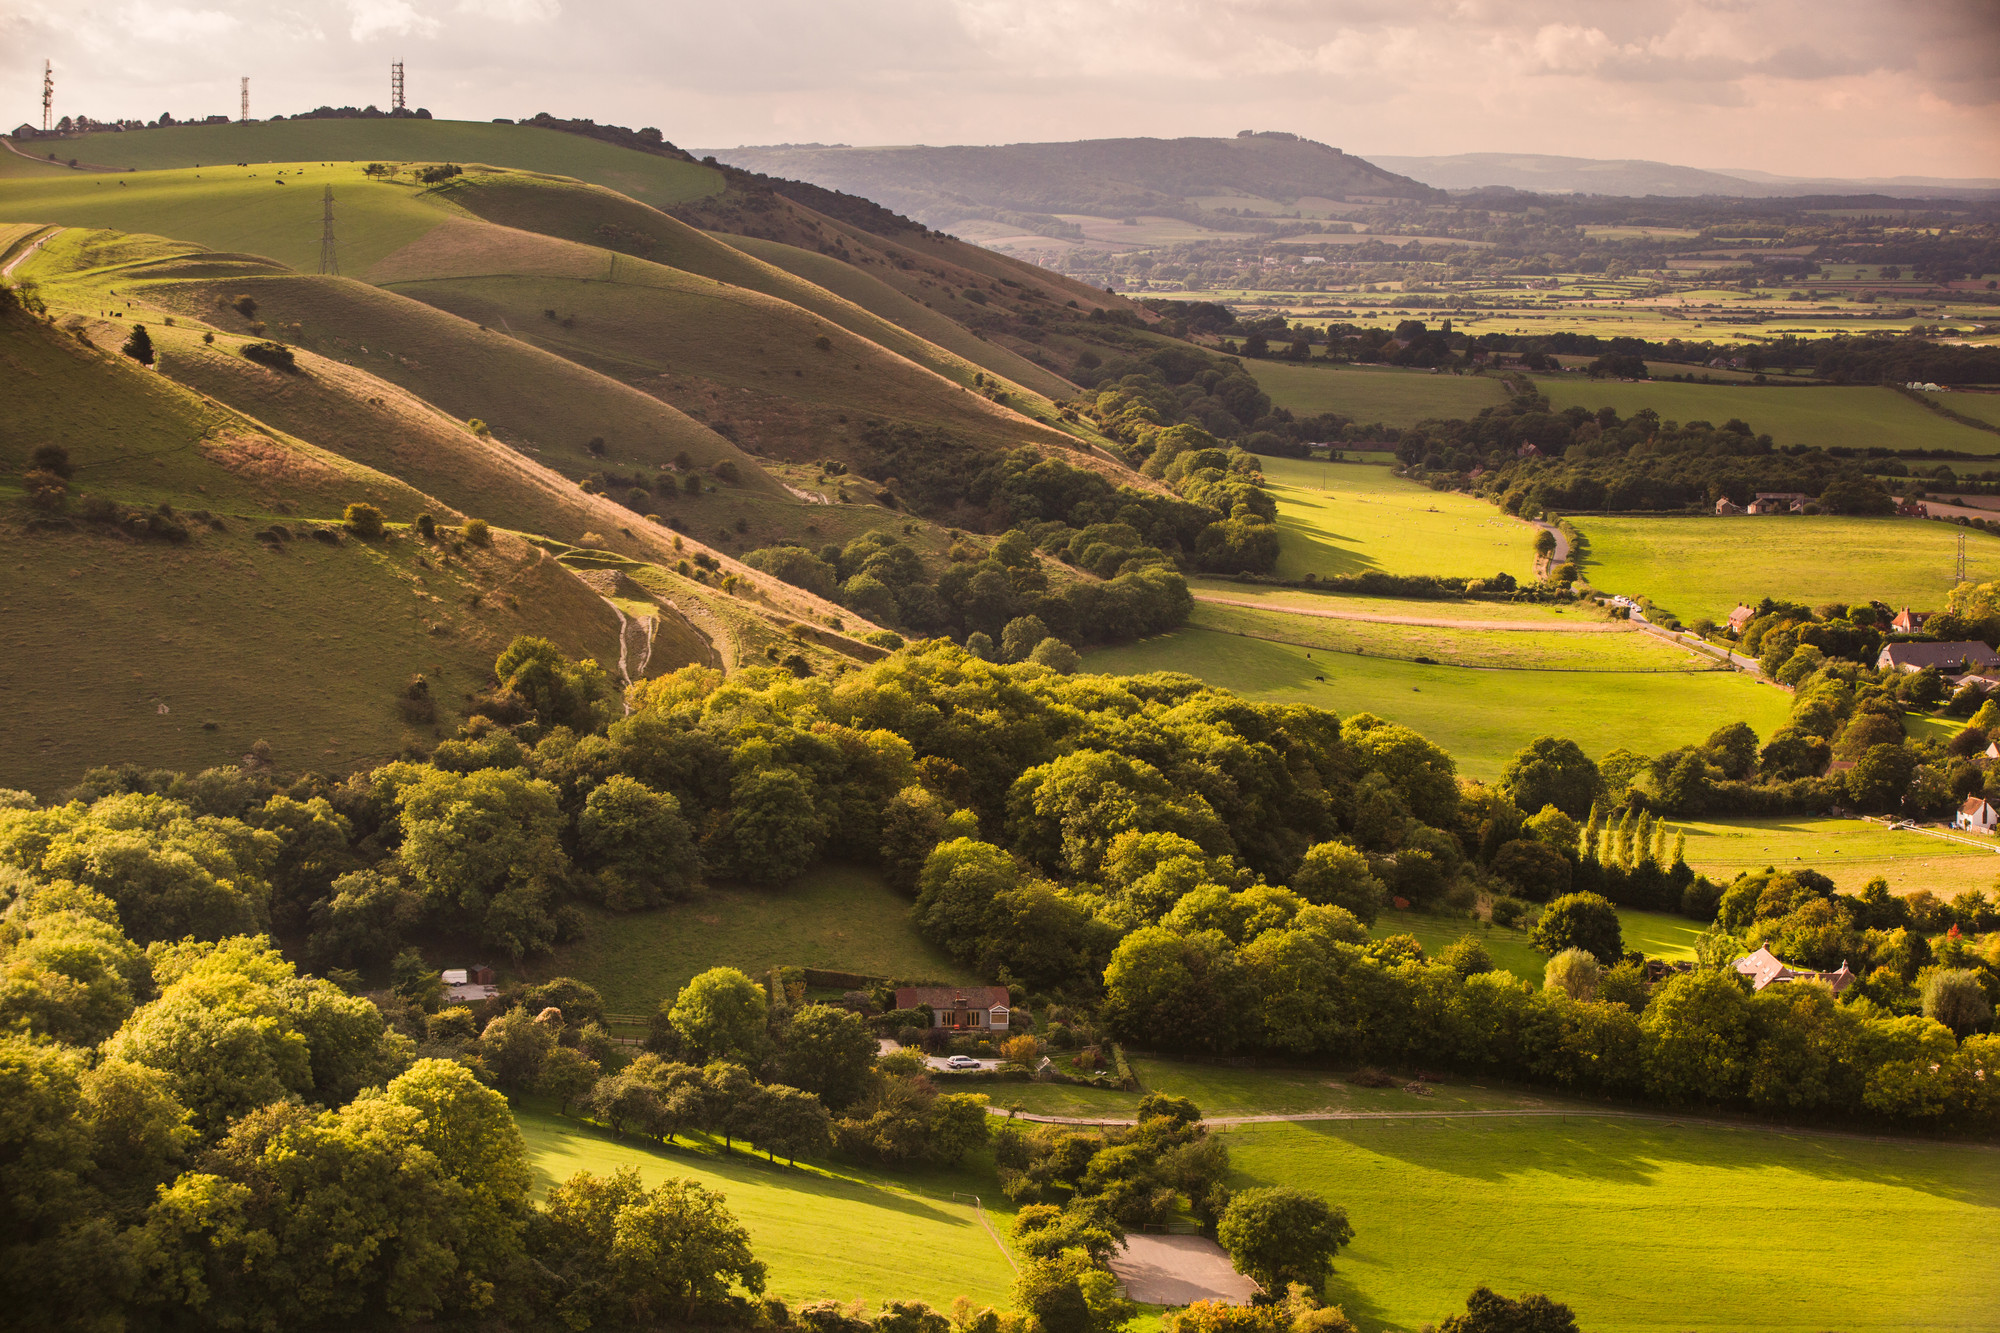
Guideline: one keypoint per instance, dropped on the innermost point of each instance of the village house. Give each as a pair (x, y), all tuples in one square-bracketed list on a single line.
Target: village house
[(1727, 506), (1908, 621), (1764, 969), (1912, 509), (960, 1008), (1977, 814), (1992, 750), (1779, 502), (1740, 617), (1955, 658)]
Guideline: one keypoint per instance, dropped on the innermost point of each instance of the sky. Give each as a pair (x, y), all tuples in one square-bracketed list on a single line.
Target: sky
[(1846, 88)]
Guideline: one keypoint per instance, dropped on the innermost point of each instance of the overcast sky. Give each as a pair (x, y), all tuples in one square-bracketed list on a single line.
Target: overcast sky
[(1802, 87)]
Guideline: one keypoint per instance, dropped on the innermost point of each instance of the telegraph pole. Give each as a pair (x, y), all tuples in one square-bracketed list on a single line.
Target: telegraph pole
[(396, 87), (329, 262), (48, 96), (245, 118)]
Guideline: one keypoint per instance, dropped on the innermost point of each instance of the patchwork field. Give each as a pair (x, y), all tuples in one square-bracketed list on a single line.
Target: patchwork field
[(1483, 717), (1643, 1226), (1853, 416), (1848, 851), (834, 917), (1389, 396), (1354, 518), (1983, 406), (824, 1231), (1697, 567)]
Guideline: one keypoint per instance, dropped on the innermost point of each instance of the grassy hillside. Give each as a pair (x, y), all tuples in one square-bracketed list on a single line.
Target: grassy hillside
[(1850, 416), (1350, 518), (825, 1231), (658, 180), (1704, 566), (1850, 851), (1481, 716), (1643, 1226), (1375, 394)]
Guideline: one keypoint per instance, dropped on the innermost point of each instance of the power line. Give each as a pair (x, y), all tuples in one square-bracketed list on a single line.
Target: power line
[(329, 262)]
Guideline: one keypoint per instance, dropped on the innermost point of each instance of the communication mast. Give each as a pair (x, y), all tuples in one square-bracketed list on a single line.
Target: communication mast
[(1961, 559), (48, 96), (396, 87), (329, 262), (246, 100)]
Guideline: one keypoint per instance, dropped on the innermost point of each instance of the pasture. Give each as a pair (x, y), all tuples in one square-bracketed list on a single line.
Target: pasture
[(1392, 397), (1483, 717), (1643, 1226), (1528, 615), (658, 180), (1584, 647), (824, 1230), (1355, 518), (1982, 406), (1850, 852), (1851, 416), (834, 917), (1655, 934), (1702, 566)]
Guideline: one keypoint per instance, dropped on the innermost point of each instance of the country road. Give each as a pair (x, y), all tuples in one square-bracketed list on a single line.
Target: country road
[(1434, 622), (39, 242)]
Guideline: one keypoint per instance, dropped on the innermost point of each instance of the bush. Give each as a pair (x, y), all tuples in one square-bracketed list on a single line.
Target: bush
[(275, 355), (478, 533), (364, 521), (1584, 921)]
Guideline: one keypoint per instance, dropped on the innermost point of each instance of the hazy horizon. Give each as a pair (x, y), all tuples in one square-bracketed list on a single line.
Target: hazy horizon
[(1842, 88)]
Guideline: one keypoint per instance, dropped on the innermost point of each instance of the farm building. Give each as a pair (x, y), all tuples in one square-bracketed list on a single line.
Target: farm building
[(1740, 617), (1912, 509), (1977, 814), (1956, 658), (1727, 506), (1764, 969), (970, 1008), (469, 983), (1908, 621), (1779, 502)]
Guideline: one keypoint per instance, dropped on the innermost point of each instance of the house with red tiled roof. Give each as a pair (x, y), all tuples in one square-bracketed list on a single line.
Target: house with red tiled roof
[(1908, 621), (1977, 814), (1765, 969), (975, 1009)]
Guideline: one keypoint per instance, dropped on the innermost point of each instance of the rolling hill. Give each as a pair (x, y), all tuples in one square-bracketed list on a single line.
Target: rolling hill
[(1037, 182)]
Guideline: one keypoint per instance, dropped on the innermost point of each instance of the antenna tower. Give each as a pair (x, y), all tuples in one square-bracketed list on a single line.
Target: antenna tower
[(1961, 560), (246, 100), (396, 87), (329, 262), (48, 96)]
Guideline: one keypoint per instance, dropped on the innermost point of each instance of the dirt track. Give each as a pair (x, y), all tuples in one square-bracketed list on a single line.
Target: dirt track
[(1434, 622)]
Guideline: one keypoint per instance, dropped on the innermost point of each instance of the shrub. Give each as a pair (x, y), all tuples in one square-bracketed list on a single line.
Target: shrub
[(478, 533), (139, 346), (275, 355), (364, 521), (427, 527), (1585, 921)]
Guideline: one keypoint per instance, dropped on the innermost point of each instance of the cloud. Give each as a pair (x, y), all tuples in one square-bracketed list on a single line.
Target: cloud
[(512, 11), (388, 18), (173, 23)]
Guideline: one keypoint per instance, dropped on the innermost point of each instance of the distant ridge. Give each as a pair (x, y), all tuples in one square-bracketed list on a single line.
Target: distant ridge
[(1636, 177), (1100, 177)]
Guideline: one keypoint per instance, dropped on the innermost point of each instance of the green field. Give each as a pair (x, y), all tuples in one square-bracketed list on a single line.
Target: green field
[(1983, 406), (1646, 1227), (1700, 566), (1855, 417), (1849, 851), (1354, 518), (1606, 650), (835, 917), (1530, 615), (1654, 934), (657, 180), (1390, 397), (826, 1232), (1482, 717)]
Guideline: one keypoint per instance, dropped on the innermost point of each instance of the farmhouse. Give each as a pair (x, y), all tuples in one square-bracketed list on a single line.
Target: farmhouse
[(1740, 617), (1727, 506), (971, 1008), (1908, 621), (1976, 814), (1912, 509), (1951, 658), (1779, 502), (1764, 969)]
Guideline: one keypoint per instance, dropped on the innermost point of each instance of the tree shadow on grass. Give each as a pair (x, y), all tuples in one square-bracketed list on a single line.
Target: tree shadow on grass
[(1632, 1152), (739, 1167), (1322, 551)]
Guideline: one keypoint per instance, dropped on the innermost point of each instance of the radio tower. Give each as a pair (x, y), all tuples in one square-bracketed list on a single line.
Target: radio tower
[(396, 87), (246, 100), (48, 96), (329, 262), (1961, 558)]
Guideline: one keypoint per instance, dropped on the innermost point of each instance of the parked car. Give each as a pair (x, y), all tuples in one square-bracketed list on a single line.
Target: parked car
[(961, 1062)]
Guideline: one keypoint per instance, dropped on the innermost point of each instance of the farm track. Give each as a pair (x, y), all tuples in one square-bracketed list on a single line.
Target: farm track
[(1431, 622), (29, 251)]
